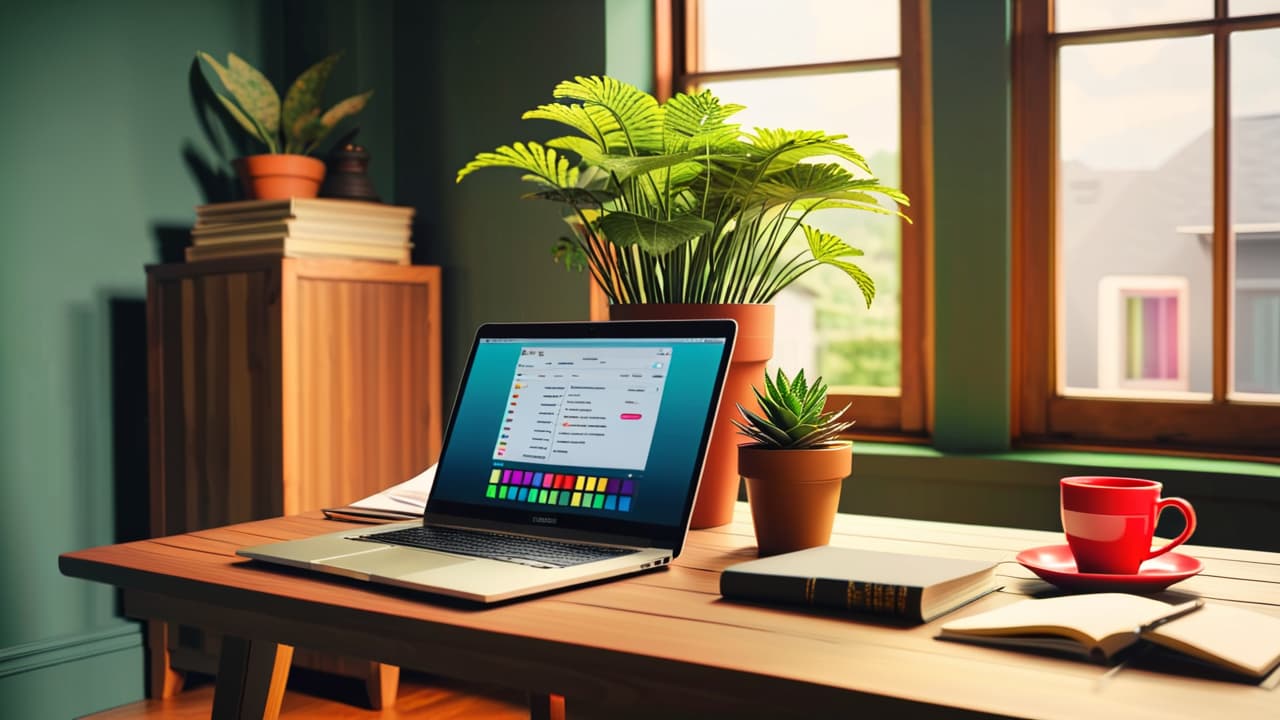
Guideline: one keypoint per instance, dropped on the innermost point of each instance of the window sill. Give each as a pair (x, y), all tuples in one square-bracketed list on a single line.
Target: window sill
[(1237, 502)]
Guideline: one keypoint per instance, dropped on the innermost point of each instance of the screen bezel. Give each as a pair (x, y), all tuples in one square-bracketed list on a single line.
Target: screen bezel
[(568, 524)]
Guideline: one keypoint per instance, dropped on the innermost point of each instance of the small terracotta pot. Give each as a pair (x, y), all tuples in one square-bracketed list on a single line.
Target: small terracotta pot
[(279, 176), (794, 494), (718, 491)]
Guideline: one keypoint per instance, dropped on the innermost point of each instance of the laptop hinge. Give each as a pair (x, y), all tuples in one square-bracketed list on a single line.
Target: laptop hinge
[(548, 532)]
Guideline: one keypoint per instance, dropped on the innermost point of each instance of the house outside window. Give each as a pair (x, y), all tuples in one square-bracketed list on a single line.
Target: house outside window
[(1147, 178)]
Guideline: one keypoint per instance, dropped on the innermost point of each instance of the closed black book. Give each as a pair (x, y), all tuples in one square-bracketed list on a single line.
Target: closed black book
[(911, 587)]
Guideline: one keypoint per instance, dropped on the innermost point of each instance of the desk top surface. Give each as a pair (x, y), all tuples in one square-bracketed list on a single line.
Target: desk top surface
[(668, 638)]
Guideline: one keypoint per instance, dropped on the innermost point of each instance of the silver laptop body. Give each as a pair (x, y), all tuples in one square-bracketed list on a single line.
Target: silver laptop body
[(573, 453)]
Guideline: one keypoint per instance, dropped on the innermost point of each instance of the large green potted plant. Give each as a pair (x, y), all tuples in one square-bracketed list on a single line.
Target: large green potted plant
[(795, 465), (678, 212), (291, 130)]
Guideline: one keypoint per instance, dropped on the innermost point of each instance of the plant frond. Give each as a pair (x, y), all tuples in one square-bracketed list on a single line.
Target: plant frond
[(623, 167), (655, 237), (824, 180), (699, 121), (845, 202), (598, 125), (576, 196), (637, 113), (788, 147), (543, 164), (829, 249), (570, 253)]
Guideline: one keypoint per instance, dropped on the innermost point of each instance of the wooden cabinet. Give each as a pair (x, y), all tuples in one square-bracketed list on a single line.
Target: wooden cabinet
[(281, 385)]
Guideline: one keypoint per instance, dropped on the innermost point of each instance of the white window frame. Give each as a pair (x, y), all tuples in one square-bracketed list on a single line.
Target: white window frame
[(1113, 339)]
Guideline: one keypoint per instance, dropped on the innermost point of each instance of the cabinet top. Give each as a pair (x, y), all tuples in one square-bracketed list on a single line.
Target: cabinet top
[(317, 268)]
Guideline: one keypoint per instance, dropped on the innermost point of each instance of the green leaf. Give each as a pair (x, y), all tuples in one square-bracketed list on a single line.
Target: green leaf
[(336, 114), (299, 134), (699, 121), (766, 429), (799, 386), (570, 253), (576, 196), (249, 125), (623, 167), (598, 125), (254, 93), (303, 100), (829, 249), (637, 114), (221, 80), (542, 164), (788, 147), (655, 237)]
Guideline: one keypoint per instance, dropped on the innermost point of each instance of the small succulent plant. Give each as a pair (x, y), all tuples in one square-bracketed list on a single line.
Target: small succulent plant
[(297, 125), (793, 416)]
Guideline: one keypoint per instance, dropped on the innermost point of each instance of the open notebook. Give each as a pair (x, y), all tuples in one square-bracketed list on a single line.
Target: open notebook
[(1102, 626)]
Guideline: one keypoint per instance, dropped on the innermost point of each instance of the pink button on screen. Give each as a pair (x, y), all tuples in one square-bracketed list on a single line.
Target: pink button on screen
[(630, 416)]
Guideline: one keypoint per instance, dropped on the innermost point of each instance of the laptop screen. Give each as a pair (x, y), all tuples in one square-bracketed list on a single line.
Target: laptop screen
[(602, 433)]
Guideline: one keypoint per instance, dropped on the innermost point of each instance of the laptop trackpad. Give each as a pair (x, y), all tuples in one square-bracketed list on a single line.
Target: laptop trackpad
[(393, 562)]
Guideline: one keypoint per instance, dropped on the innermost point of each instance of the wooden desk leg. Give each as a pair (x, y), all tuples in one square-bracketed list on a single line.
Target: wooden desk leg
[(163, 680), (382, 683), (251, 679), (546, 707)]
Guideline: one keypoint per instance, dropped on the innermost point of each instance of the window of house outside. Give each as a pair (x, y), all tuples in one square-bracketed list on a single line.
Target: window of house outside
[(851, 67), (1148, 176)]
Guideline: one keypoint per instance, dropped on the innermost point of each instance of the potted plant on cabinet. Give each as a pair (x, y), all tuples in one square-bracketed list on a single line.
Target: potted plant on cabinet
[(290, 130), (796, 465), (678, 212)]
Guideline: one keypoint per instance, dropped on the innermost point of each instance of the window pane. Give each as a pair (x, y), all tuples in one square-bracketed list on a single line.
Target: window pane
[(1135, 204), (1071, 15), (768, 33), (1255, 210), (1237, 8), (823, 324)]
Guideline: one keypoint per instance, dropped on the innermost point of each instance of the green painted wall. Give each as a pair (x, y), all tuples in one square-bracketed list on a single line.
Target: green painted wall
[(360, 30), (104, 157), (971, 86), (464, 73)]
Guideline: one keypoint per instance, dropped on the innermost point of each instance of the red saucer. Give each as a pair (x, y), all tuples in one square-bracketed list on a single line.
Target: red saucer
[(1055, 564)]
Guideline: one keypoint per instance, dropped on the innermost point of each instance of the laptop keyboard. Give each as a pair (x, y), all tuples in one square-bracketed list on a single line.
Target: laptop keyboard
[(534, 552)]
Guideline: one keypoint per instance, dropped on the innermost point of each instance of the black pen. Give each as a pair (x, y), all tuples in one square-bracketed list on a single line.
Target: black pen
[(1174, 613)]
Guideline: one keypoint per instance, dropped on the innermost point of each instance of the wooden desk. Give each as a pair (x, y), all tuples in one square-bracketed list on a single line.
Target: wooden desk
[(665, 643)]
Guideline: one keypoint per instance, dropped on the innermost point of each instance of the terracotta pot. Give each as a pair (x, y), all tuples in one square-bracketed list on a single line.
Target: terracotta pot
[(279, 176), (794, 494), (720, 480)]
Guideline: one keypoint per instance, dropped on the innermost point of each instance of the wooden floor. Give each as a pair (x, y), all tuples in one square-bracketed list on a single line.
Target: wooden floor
[(330, 697)]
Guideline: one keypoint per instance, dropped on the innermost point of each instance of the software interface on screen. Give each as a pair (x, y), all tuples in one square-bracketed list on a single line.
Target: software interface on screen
[(602, 427)]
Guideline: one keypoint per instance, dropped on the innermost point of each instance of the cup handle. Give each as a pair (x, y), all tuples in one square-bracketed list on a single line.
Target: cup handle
[(1188, 514)]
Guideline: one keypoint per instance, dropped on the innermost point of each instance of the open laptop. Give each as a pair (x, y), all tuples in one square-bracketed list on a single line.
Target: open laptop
[(573, 453)]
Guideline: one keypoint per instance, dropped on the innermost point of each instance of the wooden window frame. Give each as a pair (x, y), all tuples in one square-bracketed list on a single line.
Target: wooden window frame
[(1042, 414), (906, 416)]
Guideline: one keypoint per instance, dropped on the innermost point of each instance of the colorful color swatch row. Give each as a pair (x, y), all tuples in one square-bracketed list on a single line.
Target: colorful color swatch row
[(543, 488)]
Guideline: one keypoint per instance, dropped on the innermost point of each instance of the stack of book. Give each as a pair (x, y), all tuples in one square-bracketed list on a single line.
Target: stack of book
[(303, 227)]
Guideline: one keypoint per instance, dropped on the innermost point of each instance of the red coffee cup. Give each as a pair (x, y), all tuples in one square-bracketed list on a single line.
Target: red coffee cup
[(1110, 522)]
